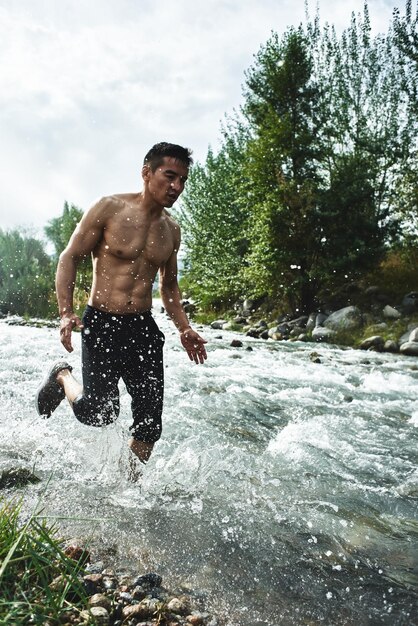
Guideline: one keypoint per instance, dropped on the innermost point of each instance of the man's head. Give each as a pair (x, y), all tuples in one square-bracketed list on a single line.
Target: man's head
[(155, 157)]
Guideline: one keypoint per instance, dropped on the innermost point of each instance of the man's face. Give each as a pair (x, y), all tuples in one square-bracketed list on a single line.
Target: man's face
[(167, 182)]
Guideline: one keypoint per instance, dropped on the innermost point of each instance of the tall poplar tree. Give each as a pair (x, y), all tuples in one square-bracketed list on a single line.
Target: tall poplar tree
[(213, 217)]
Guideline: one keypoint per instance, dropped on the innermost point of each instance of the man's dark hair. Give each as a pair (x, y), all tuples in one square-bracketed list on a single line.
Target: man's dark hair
[(155, 156)]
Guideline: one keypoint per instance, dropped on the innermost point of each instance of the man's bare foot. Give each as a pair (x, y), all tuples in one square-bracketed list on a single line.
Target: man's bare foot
[(135, 468)]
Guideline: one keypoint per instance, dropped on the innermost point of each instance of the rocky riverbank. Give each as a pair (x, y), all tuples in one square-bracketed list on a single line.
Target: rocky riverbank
[(113, 597), (372, 325), (116, 598)]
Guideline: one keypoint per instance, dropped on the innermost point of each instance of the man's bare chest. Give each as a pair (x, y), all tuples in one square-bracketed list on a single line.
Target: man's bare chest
[(151, 242)]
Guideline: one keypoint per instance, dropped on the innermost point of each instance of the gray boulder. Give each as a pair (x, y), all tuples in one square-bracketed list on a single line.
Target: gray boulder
[(410, 348), (376, 342), (310, 324), (320, 319), (348, 318), (320, 333), (390, 313), (410, 302), (413, 335), (218, 324), (391, 346), (405, 337)]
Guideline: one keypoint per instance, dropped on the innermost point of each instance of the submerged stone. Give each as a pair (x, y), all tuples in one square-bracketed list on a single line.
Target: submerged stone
[(17, 477)]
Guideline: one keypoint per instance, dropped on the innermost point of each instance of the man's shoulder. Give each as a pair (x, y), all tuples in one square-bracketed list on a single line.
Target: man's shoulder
[(117, 199), (106, 206), (170, 219)]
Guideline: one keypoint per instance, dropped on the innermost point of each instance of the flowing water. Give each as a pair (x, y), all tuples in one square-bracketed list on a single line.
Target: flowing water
[(283, 491)]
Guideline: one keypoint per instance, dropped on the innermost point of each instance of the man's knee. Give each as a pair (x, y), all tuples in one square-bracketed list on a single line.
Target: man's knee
[(92, 412)]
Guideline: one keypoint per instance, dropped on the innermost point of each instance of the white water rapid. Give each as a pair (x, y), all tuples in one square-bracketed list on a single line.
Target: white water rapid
[(283, 491)]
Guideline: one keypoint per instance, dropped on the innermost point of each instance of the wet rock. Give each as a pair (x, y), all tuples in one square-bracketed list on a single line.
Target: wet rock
[(77, 553), (138, 593), (96, 615), (239, 319), (283, 329), (310, 324), (100, 599), (151, 579), (320, 318), (296, 331), (390, 313), (178, 606), (315, 357), (410, 302), (17, 477), (299, 322), (253, 332), (409, 348), (413, 335), (95, 568), (218, 324), (236, 343), (264, 334), (347, 318), (195, 619), (320, 333), (93, 583), (391, 346), (109, 582), (376, 342)]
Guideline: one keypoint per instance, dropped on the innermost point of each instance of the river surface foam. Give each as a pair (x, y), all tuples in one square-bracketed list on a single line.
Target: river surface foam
[(283, 491)]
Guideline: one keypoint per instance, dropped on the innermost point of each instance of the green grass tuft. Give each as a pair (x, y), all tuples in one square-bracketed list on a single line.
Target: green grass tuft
[(39, 583)]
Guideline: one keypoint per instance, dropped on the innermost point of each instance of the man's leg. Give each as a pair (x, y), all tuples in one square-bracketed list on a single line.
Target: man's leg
[(144, 380), (72, 388), (141, 449)]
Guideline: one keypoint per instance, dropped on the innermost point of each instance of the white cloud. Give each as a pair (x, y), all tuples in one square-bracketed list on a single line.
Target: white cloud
[(88, 86)]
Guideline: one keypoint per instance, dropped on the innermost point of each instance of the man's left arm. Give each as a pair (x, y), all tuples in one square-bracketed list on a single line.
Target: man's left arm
[(192, 342)]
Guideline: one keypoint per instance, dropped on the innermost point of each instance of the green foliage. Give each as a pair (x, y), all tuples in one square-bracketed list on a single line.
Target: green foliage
[(323, 178), (59, 231), (406, 39), (283, 166), (212, 216), (39, 584), (26, 276)]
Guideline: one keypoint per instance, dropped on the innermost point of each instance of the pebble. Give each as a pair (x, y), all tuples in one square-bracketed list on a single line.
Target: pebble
[(132, 600)]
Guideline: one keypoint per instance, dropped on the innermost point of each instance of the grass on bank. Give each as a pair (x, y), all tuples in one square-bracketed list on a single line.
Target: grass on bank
[(39, 583)]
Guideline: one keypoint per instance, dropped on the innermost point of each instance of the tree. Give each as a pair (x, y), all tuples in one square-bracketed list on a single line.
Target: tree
[(284, 154), (324, 170), (213, 215), (26, 279), (406, 39), (59, 231)]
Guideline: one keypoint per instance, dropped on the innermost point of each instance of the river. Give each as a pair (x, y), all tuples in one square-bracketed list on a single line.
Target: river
[(283, 491)]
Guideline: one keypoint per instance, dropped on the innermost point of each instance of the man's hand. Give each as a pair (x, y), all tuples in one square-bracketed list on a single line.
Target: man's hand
[(67, 324), (193, 343)]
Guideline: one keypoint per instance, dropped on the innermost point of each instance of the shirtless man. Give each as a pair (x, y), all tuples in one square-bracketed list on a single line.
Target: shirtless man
[(130, 237)]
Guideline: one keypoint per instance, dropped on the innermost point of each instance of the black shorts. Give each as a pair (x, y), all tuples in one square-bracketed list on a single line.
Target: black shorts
[(128, 347)]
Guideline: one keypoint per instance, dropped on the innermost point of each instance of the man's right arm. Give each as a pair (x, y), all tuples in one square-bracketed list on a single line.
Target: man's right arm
[(83, 241)]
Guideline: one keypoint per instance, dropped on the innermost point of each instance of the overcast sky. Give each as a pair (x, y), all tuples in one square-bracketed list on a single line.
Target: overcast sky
[(87, 86)]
